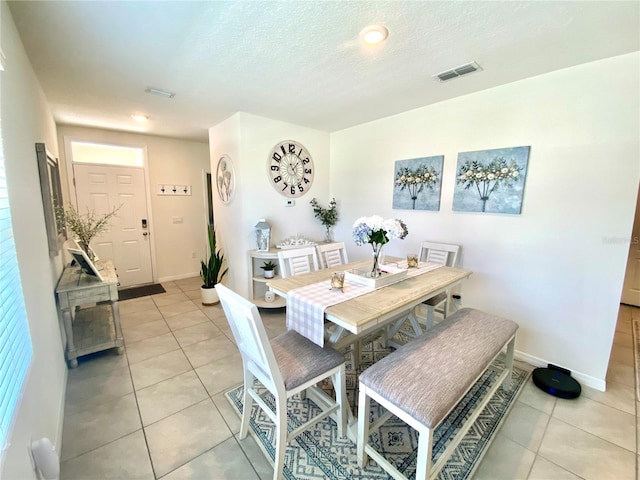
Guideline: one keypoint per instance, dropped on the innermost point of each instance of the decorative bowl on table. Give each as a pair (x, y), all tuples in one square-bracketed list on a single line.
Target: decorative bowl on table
[(295, 242)]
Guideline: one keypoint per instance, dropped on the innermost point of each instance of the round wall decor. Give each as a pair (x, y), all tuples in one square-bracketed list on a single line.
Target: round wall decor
[(290, 168)]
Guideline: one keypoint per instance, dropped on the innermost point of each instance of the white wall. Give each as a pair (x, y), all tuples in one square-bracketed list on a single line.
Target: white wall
[(549, 268), (26, 120), (170, 161), (248, 139)]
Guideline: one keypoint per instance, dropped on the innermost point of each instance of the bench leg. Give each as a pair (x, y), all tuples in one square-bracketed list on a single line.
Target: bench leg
[(425, 446), (363, 425), (508, 364)]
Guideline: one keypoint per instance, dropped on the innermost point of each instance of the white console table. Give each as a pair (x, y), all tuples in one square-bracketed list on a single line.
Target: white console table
[(90, 311)]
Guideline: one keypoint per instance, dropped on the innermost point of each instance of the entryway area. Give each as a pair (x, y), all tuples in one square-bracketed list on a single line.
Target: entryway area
[(107, 177)]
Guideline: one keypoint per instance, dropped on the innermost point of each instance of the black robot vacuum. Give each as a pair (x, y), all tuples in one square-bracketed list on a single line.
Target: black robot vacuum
[(556, 381)]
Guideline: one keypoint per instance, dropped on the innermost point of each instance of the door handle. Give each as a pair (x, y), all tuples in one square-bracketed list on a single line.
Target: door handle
[(145, 233)]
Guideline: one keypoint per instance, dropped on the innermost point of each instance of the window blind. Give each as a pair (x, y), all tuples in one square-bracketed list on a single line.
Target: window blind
[(15, 341)]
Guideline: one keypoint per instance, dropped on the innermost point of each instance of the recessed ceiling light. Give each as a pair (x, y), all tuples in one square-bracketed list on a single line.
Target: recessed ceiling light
[(374, 34), (161, 93), (139, 118)]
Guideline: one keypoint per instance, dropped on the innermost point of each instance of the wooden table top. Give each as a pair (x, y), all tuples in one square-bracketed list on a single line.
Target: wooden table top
[(363, 312)]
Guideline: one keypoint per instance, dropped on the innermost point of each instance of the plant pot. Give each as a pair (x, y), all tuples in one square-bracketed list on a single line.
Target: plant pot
[(268, 274), (209, 296)]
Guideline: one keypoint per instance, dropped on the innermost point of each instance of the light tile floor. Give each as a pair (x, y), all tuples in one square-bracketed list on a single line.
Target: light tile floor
[(159, 411)]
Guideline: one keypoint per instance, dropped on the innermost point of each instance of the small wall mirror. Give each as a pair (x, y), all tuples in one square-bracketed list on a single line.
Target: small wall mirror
[(51, 189)]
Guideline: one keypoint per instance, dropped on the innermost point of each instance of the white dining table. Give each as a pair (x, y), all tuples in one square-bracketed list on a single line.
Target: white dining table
[(374, 310), (366, 314)]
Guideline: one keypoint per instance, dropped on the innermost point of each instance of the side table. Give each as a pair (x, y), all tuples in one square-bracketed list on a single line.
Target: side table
[(91, 328)]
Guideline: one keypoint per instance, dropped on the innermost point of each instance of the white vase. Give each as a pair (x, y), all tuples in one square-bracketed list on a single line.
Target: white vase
[(209, 296), (268, 274)]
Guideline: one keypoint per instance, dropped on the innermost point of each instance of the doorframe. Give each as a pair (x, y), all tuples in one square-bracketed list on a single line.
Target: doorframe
[(632, 239), (68, 139)]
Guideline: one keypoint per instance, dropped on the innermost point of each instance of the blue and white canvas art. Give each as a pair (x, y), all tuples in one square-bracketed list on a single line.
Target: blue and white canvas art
[(491, 181), (417, 183)]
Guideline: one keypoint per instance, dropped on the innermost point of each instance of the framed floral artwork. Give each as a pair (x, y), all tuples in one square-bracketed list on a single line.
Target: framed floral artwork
[(225, 179), (491, 181), (417, 183)]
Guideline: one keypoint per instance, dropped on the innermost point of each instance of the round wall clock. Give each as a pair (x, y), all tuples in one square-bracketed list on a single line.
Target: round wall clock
[(290, 168), (225, 179)]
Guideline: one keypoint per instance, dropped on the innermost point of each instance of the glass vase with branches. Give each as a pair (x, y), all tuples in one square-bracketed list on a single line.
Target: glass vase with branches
[(85, 226), (327, 216)]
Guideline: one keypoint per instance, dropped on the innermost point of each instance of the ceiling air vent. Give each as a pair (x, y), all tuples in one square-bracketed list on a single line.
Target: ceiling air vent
[(458, 71)]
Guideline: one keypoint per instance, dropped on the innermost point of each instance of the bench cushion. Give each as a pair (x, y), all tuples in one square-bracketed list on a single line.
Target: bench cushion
[(429, 375)]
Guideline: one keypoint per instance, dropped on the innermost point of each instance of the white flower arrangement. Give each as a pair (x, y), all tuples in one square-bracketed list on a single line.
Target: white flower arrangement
[(376, 230)]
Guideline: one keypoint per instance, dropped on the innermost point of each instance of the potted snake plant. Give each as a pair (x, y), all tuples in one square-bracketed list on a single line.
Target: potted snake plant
[(211, 271)]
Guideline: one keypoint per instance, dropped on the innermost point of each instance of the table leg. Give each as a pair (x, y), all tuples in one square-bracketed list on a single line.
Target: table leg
[(115, 309), (68, 328)]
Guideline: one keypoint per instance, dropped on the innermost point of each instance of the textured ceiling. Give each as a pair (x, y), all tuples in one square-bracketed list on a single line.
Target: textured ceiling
[(296, 61)]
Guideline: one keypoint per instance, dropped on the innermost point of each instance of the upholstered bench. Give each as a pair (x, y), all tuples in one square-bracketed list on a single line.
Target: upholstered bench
[(423, 380)]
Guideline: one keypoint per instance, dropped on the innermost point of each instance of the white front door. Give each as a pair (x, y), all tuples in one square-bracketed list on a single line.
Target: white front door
[(631, 288), (101, 188)]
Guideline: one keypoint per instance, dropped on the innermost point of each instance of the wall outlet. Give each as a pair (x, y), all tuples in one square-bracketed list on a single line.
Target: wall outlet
[(289, 203)]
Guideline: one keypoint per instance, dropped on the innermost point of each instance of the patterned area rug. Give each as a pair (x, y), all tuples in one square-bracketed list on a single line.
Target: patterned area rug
[(635, 326), (320, 453)]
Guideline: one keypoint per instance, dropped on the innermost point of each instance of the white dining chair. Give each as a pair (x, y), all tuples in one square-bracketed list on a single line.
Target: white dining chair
[(298, 261), (432, 252), (442, 254), (286, 365), (332, 254)]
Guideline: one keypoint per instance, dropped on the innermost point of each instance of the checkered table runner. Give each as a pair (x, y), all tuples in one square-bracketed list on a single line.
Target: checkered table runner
[(306, 305)]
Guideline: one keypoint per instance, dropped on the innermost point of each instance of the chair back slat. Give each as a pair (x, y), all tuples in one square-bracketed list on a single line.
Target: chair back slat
[(250, 334), (440, 253), (297, 261), (332, 254)]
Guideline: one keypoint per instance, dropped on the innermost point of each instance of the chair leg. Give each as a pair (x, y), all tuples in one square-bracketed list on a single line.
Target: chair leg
[(281, 437), (363, 426), (247, 402), (339, 385)]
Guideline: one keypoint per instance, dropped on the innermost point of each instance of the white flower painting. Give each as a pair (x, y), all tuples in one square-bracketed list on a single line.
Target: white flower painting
[(491, 181), (417, 183)]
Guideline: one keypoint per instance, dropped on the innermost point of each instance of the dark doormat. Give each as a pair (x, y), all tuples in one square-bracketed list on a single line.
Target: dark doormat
[(135, 292)]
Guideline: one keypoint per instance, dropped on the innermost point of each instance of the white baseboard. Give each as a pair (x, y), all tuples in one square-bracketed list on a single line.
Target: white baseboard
[(178, 277), (596, 383)]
